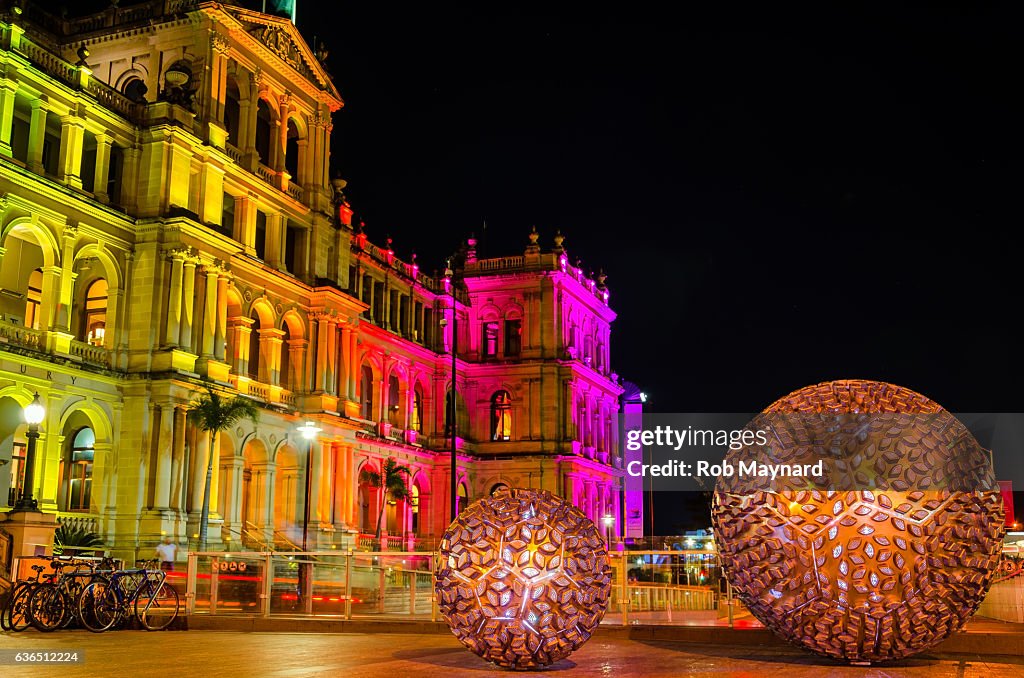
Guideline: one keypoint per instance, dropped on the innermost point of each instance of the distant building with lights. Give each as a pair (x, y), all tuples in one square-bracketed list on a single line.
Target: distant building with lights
[(167, 223)]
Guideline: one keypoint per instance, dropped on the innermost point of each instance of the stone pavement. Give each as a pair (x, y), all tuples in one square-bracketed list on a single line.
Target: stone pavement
[(224, 654)]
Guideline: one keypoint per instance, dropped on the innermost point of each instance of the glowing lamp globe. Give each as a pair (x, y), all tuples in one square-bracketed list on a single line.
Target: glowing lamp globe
[(889, 554), (523, 578)]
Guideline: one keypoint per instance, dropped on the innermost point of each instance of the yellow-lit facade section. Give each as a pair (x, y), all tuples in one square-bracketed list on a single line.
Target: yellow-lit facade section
[(168, 223)]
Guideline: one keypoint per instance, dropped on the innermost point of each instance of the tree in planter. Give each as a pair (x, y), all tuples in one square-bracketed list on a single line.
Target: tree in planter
[(213, 414), (391, 483)]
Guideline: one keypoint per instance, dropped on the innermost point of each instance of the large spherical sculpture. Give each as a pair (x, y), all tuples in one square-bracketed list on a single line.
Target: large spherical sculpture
[(523, 578), (887, 556)]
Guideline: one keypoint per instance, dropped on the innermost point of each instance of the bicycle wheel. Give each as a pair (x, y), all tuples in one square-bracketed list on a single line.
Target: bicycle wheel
[(98, 606), (46, 608), (156, 608), (17, 611)]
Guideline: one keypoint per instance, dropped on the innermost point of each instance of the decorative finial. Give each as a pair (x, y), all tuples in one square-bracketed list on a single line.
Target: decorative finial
[(601, 277), (534, 235), (83, 54), (559, 239)]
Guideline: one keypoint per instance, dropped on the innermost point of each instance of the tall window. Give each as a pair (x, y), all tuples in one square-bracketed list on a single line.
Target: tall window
[(263, 126), (417, 410), (291, 152), (462, 500), (366, 391), (254, 348), (95, 324), (77, 471), (490, 340), (513, 336), (232, 112), (17, 472), (33, 299), (501, 416), (394, 406), (285, 378), (260, 242), (449, 402)]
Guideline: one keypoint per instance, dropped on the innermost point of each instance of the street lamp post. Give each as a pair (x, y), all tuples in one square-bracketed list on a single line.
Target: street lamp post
[(449, 275), (34, 413), (309, 431), (609, 520)]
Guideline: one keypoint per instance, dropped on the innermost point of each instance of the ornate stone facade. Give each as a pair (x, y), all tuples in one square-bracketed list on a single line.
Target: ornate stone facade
[(167, 221)]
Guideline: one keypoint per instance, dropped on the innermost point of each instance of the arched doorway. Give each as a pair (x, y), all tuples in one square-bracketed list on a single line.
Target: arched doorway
[(12, 450)]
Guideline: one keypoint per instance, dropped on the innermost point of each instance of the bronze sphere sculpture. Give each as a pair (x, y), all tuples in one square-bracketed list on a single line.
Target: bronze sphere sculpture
[(887, 556), (523, 578)]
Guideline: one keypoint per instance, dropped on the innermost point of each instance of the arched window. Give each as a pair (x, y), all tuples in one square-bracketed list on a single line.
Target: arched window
[(254, 348), (33, 298), (501, 416), (417, 410), (263, 128), (366, 392), (291, 152), (462, 500), (394, 406), (489, 341), (135, 90), (414, 508), (76, 471), (95, 318), (498, 487)]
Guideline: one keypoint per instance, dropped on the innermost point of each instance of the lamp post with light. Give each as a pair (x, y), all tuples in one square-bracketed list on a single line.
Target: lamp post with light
[(608, 520), (449, 275), (308, 431), (34, 414)]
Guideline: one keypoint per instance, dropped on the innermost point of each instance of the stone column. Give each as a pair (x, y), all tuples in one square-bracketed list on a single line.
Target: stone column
[(174, 300), (315, 486), (8, 89), (178, 461), (244, 230), (330, 374), (339, 484), (296, 356), (72, 140), (36, 134), (239, 329), (210, 311), (162, 489), (222, 316), (354, 367), (101, 174), (275, 241), (188, 294), (344, 389), (326, 480), (270, 355)]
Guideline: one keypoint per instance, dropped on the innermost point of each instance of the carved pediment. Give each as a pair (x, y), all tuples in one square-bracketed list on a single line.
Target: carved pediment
[(281, 38)]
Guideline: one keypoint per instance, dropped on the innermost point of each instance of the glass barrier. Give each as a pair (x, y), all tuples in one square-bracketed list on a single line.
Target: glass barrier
[(648, 587)]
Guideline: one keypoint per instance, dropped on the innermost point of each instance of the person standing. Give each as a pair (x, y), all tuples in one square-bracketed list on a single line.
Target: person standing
[(167, 552)]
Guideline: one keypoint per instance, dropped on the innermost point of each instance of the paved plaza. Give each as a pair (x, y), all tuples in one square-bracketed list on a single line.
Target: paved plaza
[(358, 655)]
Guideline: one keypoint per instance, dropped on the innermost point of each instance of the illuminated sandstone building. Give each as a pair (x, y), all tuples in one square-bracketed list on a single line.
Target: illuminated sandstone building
[(168, 222)]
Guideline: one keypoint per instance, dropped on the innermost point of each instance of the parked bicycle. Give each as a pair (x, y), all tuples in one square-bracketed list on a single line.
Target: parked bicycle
[(143, 593)]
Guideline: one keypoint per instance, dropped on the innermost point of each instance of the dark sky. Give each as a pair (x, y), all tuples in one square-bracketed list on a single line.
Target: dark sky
[(780, 195), (778, 198)]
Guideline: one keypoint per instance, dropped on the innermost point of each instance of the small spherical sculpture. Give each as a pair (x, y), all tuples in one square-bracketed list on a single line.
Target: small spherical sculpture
[(887, 557), (522, 578)]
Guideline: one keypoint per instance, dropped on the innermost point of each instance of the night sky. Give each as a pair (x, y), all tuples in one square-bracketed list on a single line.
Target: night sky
[(780, 196)]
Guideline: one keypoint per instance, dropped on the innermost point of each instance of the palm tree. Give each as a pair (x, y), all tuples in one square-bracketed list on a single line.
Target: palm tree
[(214, 414), (391, 482)]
